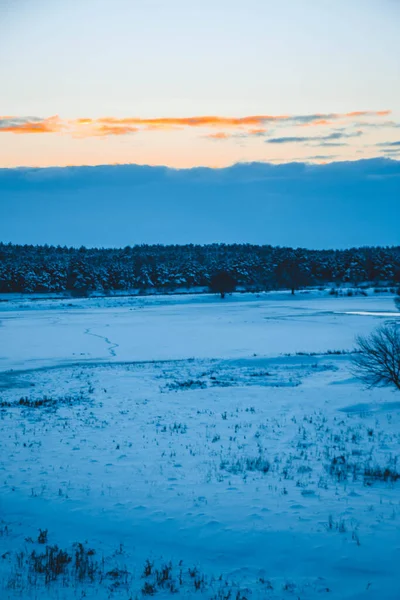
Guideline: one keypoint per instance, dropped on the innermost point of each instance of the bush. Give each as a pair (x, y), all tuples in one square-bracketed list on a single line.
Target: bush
[(377, 360)]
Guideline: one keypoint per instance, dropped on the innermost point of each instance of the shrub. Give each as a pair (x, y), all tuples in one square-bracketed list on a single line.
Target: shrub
[(377, 361)]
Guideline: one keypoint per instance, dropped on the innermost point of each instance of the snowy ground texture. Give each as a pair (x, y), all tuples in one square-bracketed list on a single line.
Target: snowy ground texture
[(198, 447)]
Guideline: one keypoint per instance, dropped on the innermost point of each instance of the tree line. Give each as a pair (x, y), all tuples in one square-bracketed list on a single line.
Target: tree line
[(28, 268)]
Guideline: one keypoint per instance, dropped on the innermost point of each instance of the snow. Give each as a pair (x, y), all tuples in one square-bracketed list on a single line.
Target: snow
[(223, 434), (45, 333)]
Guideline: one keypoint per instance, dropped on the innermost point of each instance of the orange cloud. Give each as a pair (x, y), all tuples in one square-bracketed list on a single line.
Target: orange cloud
[(30, 125), (106, 126), (368, 113), (114, 130), (221, 135), (202, 121), (218, 136), (234, 122), (316, 123), (259, 131)]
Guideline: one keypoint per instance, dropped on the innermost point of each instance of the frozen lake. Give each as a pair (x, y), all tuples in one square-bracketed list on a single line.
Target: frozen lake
[(225, 443), (44, 333)]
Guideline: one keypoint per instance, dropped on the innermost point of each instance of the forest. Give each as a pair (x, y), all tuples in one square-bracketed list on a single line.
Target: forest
[(143, 268)]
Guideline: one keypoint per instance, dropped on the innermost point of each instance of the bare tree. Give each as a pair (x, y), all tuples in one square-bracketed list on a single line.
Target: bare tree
[(377, 360)]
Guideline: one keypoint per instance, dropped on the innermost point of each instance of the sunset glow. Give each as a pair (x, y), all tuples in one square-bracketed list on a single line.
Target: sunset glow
[(186, 84)]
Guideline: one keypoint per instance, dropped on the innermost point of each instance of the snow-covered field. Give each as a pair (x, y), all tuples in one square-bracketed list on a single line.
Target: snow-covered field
[(213, 449)]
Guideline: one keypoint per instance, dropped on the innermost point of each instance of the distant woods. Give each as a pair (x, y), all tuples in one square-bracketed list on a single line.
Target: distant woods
[(219, 267)]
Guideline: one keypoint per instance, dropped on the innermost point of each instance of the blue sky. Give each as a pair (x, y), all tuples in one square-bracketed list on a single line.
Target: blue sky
[(101, 82)]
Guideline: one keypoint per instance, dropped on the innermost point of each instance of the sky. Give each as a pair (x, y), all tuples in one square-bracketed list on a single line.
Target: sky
[(198, 83)]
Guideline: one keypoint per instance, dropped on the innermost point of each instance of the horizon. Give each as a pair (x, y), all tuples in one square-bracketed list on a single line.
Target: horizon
[(393, 159), (134, 246)]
